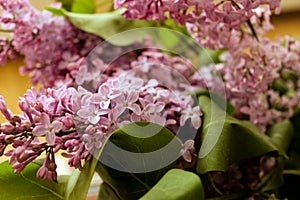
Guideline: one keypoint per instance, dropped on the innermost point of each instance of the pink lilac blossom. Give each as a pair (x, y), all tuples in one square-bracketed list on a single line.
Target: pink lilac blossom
[(77, 121), (214, 24), (49, 44), (260, 79)]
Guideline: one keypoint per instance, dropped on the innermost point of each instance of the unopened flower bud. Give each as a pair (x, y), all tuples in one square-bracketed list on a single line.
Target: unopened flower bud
[(36, 118), (52, 166), (39, 107), (16, 119), (42, 173), (7, 128), (26, 125), (36, 148), (9, 139), (23, 157)]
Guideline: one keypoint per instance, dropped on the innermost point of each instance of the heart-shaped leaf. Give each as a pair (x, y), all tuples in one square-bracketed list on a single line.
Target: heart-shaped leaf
[(176, 184), (226, 140), (136, 156), (25, 185)]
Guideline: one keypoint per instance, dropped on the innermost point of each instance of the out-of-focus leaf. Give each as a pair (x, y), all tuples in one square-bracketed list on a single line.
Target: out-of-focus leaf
[(25, 185), (107, 25), (67, 4), (209, 57), (226, 140), (281, 134), (83, 6), (177, 184), (219, 100), (135, 157)]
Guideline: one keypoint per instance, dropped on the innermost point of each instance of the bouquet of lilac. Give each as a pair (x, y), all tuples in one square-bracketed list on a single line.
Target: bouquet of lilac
[(164, 99)]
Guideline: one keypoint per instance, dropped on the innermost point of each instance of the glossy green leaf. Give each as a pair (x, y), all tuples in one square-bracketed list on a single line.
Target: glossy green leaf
[(177, 184), (79, 182), (83, 6), (219, 100), (281, 134), (25, 185), (136, 156), (107, 193), (107, 25), (226, 140)]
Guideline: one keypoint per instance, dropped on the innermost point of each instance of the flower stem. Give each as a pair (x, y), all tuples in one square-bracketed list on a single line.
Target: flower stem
[(249, 23)]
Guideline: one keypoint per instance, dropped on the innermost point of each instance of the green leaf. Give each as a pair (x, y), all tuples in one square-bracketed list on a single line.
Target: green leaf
[(25, 185), (226, 140), (177, 184), (219, 100), (79, 182), (67, 4), (107, 25), (83, 6), (281, 134), (107, 193), (56, 12), (136, 156), (209, 56)]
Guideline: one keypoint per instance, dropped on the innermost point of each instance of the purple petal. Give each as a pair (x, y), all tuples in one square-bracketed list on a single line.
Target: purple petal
[(94, 119), (44, 119), (40, 130), (135, 108), (196, 121), (105, 104), (183, 119), (104, 90), (159, 107), (50, 138), (133, 97), (57, 126), (83, 113)]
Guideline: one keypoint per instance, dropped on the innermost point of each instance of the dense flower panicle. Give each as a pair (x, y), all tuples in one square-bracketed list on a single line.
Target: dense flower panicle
[(214, 24), (49, 44), (7, 52), (261, 79), (78, 120)]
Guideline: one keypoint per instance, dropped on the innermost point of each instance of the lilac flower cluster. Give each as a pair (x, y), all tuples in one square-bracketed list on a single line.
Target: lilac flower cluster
[(213, 24), (260, 79), (76, 121), (51, 46)]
